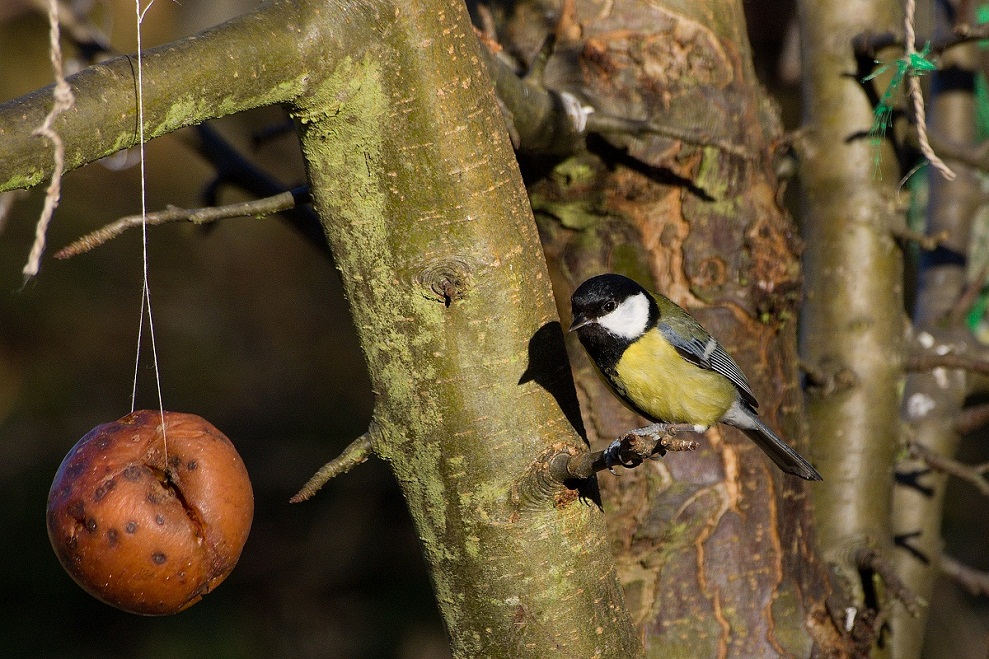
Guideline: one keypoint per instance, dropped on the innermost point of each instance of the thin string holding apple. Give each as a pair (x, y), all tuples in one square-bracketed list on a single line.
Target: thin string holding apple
[(145, 287)]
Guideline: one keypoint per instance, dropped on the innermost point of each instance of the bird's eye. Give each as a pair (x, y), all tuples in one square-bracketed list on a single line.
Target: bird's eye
[(610, 306)]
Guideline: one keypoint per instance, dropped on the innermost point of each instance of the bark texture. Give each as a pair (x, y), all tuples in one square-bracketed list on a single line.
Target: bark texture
[(714, 548), (440, 261), (853, 321)]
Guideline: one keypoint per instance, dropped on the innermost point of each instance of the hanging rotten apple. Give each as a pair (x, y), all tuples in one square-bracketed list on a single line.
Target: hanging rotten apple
[(148, 523)]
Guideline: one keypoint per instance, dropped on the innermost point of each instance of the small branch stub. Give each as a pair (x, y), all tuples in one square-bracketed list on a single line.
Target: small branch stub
[(827, 379), (356, 453), (445, 280)]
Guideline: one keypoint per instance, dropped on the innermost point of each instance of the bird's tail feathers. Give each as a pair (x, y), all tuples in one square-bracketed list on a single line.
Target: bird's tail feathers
[(772, 444)]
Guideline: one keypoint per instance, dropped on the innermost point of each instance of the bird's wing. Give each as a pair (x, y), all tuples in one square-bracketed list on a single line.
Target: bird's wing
[(701, 349)]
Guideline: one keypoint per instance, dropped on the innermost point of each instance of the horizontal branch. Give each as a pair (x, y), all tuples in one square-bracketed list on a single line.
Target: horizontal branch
[(924, 241), (974, 474), (255, 60), (868, 44), (555, 122), (927, 362)]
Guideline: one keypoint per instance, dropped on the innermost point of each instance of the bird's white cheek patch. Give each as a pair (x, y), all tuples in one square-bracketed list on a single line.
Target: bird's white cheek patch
[(629, 320)]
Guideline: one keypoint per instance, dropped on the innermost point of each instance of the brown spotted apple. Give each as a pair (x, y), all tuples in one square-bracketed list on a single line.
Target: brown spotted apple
[(150, 517)]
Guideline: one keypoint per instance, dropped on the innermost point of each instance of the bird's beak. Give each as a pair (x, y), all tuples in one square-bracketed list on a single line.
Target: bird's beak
[(579, 321)]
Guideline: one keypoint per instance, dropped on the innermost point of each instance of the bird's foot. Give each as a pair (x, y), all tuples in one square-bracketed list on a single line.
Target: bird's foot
[(652, 441), (613, 455)]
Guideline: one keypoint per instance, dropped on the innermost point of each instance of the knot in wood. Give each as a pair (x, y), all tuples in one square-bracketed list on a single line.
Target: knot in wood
[(445, 280)]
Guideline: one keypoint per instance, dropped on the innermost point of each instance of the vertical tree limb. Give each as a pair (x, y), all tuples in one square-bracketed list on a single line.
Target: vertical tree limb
[(934, 399), (853, 314), (441, 264)]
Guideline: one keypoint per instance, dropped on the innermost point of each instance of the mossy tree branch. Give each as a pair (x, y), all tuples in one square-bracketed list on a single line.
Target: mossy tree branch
[(443, 270), (258, 59)]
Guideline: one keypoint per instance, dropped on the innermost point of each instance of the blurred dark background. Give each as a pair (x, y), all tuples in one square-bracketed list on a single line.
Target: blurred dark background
[(254, 335)]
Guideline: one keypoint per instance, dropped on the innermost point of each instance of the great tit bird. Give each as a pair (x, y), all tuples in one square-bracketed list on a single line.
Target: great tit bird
[(666, 367)]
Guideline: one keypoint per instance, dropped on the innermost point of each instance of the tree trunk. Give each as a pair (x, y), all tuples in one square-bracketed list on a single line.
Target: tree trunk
[(442, 268), (714, 548), (853, 321)]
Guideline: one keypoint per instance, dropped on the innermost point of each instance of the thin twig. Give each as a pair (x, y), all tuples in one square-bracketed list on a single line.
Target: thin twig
[(356, 453), (926, 362), (257, 208), (974, 474), (488, 30), (976, 582), (636, 448), (63, 101), (926, 242)]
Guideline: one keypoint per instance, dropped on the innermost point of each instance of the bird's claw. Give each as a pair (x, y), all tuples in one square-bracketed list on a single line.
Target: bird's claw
[(613, 456)]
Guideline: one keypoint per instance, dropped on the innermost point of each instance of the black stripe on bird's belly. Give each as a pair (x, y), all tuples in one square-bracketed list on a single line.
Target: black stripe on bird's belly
[(605, 348)]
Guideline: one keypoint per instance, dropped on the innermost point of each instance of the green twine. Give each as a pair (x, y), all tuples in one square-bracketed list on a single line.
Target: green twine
[(915, 64)]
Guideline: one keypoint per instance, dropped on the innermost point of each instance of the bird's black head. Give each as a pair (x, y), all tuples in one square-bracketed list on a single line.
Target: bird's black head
[(612, 305)]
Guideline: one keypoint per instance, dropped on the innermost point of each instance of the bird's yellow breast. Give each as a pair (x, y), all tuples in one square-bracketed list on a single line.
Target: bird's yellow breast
[(668, 388)]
